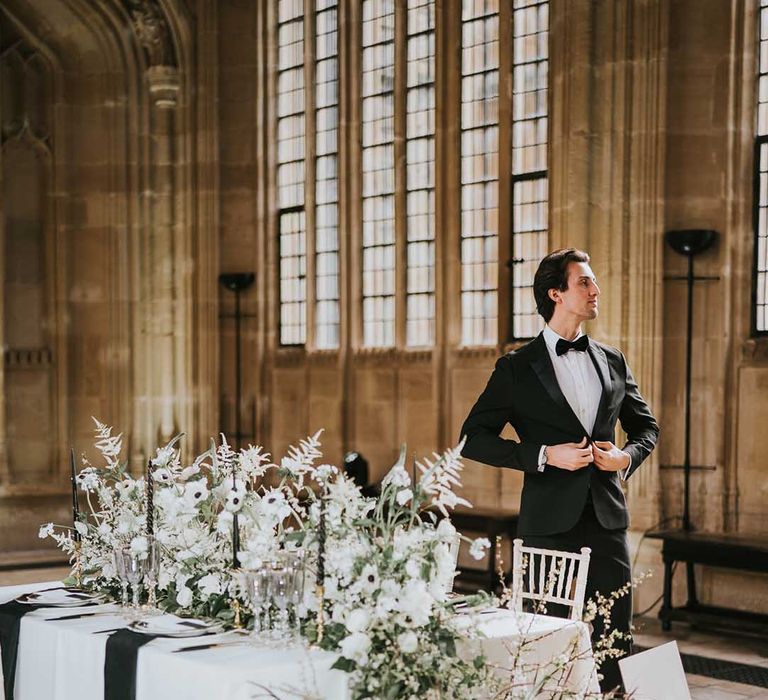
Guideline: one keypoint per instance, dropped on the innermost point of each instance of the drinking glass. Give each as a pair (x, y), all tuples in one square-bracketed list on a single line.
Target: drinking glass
[(281, 586), (297, 599), (121, 574), (135, 564), (257, 593), (152, 575)]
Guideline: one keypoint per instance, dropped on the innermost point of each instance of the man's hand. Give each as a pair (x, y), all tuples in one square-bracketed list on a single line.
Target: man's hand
[(608, 457), (570, 455)]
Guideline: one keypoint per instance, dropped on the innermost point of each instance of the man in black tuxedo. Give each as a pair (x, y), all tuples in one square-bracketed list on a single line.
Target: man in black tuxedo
[(563, 393)]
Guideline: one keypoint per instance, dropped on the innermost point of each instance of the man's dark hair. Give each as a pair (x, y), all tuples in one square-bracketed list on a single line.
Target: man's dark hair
[(553, 274)]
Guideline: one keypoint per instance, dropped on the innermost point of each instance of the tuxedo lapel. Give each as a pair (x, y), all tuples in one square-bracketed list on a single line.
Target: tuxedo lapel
[(542, 365), (601, 365)]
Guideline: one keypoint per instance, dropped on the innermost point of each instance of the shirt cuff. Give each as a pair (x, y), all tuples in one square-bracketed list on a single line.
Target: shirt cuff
[(542, 460), (623, 473)]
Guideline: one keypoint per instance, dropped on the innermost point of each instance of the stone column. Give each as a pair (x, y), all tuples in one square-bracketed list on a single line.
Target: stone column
[(163, 357), (608, 154)]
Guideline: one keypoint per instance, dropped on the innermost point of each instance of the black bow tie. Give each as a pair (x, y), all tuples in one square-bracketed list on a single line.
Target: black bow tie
[(563, 346)]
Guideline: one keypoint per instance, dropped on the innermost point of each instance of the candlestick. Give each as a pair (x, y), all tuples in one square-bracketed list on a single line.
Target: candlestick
[(235, 529), (150, 500), (320, 593), (78, 564), (237, 622), (73, 479)]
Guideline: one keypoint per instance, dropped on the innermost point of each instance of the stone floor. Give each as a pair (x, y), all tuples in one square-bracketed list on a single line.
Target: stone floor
[(742, 650), (648, 634)]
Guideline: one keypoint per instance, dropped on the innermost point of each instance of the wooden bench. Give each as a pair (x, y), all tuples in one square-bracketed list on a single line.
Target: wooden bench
[(32, 559), (728, 551), (490, 524)]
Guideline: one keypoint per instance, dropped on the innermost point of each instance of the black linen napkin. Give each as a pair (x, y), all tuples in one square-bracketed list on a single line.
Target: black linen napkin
[(120, 663), (10, 622)]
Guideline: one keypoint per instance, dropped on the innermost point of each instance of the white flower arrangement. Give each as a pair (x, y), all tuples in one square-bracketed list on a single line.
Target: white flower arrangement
[(389, 562), (388, 571)]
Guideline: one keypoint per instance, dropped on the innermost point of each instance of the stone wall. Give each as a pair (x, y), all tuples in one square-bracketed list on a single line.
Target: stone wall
[(162, 166)]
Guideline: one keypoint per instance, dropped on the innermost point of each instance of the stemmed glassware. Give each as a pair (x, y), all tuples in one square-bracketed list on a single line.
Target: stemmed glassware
[(297, 599), (152, 574), (256, 590), (121, 574), (134, 566), (281, 587)]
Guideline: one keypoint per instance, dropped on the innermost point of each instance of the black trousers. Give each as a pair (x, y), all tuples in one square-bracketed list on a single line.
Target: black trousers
[(609, 570)]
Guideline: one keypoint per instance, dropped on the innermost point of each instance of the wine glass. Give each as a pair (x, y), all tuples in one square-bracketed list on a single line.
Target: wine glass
[(152, 575), (281, 588), (256, 590), (135, 565), (297, 599), (122, 575)]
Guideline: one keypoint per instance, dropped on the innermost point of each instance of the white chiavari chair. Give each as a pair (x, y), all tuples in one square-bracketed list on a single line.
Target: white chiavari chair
[(549, 576)]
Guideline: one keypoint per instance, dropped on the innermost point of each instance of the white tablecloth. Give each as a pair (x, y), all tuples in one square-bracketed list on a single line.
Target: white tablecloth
[(65, 660)]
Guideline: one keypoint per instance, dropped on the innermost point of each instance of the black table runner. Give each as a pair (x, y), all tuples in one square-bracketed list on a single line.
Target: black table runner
[(120, 663), (10, 623)]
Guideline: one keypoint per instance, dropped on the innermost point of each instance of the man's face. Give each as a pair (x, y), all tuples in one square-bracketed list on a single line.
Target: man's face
[(580, 299)]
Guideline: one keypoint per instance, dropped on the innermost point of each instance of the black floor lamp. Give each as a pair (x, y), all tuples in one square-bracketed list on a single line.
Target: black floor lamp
[(689, 242), (237, 282)]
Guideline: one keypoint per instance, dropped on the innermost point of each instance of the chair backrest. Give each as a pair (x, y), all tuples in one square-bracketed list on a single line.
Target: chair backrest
[(549, 576)]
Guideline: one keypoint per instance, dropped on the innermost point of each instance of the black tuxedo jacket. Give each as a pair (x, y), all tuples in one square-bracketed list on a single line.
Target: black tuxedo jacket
[(523, 391)]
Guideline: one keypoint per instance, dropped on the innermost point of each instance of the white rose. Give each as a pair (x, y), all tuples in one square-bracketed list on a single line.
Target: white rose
[(358, 620), (184, 596), (209, 585), (408, 642), (355, 647)]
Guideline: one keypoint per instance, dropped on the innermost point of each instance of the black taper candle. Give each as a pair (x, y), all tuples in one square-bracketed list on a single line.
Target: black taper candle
[(150, 500), (73, 479), (321, 545), (235, 529)]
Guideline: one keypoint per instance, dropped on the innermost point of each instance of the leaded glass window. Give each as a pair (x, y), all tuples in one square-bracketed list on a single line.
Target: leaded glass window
[(761, 178), (420, 173), (378, 69), (479, 170), (530, 183), (291, 171), (327, 314)]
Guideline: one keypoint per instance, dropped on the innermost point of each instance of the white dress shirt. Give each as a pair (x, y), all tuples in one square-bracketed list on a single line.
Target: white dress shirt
[(578, 379)]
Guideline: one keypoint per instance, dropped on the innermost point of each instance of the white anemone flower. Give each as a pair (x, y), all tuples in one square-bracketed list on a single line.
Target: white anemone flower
[(196, 491)]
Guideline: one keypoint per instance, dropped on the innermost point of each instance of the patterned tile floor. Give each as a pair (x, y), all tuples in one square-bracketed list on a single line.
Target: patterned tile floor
[(648, 634), (742, 650)]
